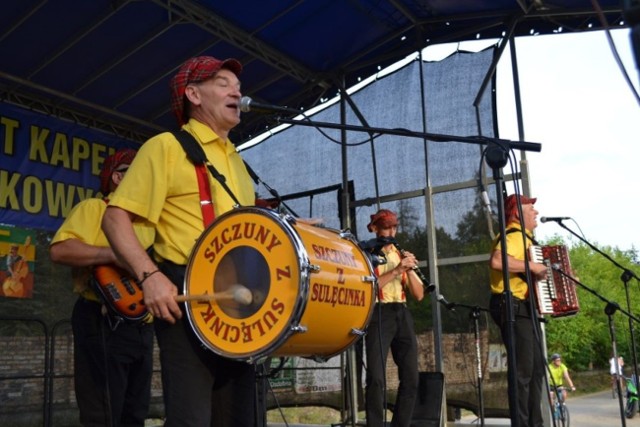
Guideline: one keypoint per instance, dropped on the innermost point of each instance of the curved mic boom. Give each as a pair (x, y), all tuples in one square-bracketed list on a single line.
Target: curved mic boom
[(448, 305)]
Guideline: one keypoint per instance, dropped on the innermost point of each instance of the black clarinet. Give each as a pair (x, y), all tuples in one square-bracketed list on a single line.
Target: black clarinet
[(428, 286)]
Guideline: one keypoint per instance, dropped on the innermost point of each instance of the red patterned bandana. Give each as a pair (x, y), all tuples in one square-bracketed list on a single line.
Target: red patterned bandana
[(196, 70), (511, 205), (112, 164), (383, 218)]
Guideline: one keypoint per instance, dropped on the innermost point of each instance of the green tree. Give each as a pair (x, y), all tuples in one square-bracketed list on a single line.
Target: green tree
[(466, 283), (585, 339)]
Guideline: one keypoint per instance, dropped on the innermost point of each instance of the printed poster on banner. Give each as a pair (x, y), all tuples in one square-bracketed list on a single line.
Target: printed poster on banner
[(314, 377), (304, 375), (497, 358), (283, 377), (17, 258)]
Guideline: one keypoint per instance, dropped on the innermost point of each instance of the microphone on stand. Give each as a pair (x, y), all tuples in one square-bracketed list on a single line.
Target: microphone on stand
[(485, 201), (554, 218), (247, 104), (448, 305)]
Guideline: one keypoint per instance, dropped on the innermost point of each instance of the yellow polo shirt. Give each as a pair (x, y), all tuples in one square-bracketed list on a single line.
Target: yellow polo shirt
[(516, 249), (83, 223), (393, 291), (557, 374), (161, 186)]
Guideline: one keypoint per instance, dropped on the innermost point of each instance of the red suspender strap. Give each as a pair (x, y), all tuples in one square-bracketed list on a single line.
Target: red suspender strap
[(196, 155), (206, 204)]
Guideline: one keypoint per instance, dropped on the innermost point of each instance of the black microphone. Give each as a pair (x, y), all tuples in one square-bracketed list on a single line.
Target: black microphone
[(485, 201), (247, 104), (448, 305), (554, 218)]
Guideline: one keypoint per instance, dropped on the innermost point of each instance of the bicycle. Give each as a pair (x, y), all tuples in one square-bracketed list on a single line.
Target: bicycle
[(560, 410), (631, 406)]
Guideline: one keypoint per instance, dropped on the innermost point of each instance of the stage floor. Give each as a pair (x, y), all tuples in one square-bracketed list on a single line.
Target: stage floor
[(591, 410)]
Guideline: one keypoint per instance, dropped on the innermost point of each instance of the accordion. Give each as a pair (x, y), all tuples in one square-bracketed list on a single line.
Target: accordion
[(556, 294)]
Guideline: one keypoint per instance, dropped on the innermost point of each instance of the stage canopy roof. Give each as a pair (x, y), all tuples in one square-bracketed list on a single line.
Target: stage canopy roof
[(107, 63)]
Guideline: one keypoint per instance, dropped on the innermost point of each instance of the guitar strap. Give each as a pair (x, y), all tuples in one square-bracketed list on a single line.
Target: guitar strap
[(196, 154)]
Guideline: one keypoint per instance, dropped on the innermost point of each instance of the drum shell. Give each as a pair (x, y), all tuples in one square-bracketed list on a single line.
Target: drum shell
[(312, 288)]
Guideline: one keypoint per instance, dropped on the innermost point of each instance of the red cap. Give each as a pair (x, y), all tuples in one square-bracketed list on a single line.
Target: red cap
[(383, 218), (511, 204), (196, 70), (111, 164)]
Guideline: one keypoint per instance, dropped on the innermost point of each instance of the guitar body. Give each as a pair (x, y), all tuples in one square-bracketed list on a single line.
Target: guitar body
[(13, 288), (13, 285), (120, 292), (20, 269)]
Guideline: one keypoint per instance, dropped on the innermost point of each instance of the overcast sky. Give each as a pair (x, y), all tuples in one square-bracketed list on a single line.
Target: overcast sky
[(577, 104)]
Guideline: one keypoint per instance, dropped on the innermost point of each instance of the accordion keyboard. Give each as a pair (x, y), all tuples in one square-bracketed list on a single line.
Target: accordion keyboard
[(556, 294)]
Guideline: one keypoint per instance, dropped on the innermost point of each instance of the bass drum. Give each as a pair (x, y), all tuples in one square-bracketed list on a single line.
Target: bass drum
[(311, 288)]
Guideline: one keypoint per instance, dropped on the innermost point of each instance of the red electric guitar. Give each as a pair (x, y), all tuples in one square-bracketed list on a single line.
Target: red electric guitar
[(120, 292)]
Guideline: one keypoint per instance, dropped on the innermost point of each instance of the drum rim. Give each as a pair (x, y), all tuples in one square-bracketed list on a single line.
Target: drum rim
[(301, 300)]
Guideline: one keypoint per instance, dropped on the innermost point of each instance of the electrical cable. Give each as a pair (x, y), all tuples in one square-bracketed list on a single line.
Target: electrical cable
[(485, 196), (614, 50)]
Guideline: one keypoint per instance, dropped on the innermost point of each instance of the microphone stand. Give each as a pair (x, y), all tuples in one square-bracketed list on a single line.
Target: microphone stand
[(271, 191), (610, 309), (474, 314), (625, 277), (479, 140), (497, 157)]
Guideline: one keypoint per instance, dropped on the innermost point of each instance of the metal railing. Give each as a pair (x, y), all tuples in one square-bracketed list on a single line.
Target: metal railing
[(46, 370)]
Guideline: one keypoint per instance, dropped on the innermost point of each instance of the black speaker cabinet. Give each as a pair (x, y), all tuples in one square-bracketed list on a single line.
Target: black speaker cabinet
[(428, 409)]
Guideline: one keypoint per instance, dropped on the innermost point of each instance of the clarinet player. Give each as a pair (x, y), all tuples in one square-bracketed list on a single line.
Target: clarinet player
[(391, 327)]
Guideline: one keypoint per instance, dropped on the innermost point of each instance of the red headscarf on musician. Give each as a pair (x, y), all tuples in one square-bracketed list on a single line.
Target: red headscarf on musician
[(112, 164), (511, 206), (384, 218)]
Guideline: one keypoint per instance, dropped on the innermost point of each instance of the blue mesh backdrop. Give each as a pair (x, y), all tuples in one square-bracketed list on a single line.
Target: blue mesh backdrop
[(408, 174)]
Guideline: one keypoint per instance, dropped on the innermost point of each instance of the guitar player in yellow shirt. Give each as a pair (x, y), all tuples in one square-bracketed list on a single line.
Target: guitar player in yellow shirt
[(113, 353)]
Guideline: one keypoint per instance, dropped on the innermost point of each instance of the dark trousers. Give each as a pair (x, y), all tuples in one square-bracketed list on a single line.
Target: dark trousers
[(529, 361), (112, 368), (391, 328), (200, 388)]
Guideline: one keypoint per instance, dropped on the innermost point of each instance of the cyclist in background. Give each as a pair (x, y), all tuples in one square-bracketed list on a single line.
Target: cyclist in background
[(559, 374)]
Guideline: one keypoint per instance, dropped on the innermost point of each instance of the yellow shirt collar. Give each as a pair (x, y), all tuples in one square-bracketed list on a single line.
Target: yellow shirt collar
[(203, 132)]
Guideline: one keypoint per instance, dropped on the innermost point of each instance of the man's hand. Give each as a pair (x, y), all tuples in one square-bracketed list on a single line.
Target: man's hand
[(408, 261), (538, 270), (159, 297)]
